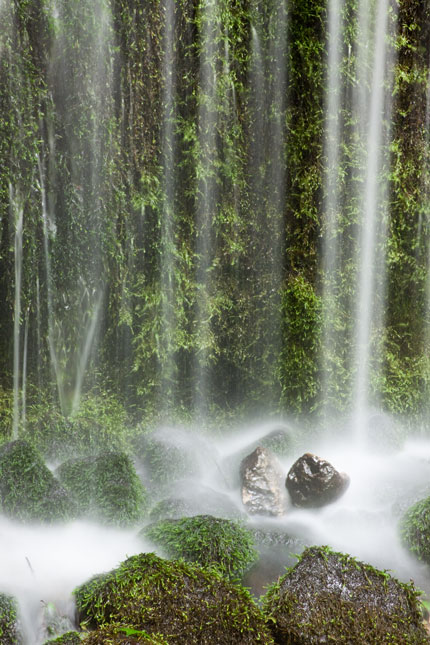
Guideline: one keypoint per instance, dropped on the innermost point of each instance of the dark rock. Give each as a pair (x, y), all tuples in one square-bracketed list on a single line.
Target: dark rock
[(106, 487), (28, 489), (10, 632), (183, 602), (262, 490), (330, 597), (224, 545), (313, 482)]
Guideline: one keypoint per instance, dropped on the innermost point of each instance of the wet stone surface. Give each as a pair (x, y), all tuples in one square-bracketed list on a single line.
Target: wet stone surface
[(313, 482)]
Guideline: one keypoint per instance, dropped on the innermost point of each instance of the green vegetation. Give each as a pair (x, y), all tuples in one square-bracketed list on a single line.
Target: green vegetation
[(28, 489), (106, 488), (221, 544), (329, 596), (117, 634), (9, 624), (415, 529), (182, 602), (69, 638)]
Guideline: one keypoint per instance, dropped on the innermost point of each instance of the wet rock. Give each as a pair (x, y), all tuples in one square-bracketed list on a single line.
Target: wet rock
[(262, 489), (201, 500), (330, 597), (313, 482)]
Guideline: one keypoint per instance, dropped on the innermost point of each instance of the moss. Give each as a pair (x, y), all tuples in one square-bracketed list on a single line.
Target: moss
[(124, 635), (331, 597), (106, 487), (28, 489), (209, 541), (9, 630), (186, 604), (415, 529), (70, 638)]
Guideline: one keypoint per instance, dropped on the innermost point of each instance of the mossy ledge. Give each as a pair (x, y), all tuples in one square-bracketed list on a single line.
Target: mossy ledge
[(184, 603), (330, 597)]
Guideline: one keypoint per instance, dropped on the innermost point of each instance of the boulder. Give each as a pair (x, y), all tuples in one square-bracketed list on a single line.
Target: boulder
[(28, 489), (222, 544), (262, 489), (313, 482), (182, 602), (10, 633), (106, 487), (330, 597)]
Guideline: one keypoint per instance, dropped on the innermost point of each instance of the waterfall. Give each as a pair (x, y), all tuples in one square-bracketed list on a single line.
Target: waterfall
[(374, 107), (17, 212), (167, 256)]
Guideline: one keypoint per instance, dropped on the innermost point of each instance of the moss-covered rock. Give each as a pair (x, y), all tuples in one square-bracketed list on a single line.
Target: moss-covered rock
[(185, 603), (9, 627), (123, 635), (28, 489), (209, 541), (331, 597), (415, 529), (69, 638), (106, 488)]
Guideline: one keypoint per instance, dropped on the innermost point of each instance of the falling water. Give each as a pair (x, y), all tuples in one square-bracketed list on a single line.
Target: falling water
[(207, 198), (331, 251), (374, 111), (17, 211), (168, 184)]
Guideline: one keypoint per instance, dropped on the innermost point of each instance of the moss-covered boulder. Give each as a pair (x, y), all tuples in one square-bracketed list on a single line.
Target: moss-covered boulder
[(200, 500), (69, 638), (209, 541), (123, 635), (28, 489), (415, 529), (106, 487), (185, 603), (330, 597), (10, 633)]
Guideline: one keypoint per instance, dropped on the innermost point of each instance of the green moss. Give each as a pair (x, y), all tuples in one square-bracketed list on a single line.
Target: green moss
[(9, 626), (123, 634), (28, 489), (209, 541), (70, 638), (331, 597), (415, 529), (186, 604), (106, 487)]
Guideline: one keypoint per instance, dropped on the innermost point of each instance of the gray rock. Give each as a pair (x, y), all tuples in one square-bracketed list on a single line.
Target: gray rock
[(262, 490), (313, 482)]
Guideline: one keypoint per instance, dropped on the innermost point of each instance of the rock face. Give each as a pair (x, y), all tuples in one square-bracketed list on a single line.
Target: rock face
[(313, 482), (182, 602), (261, 479), (330, 597)]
